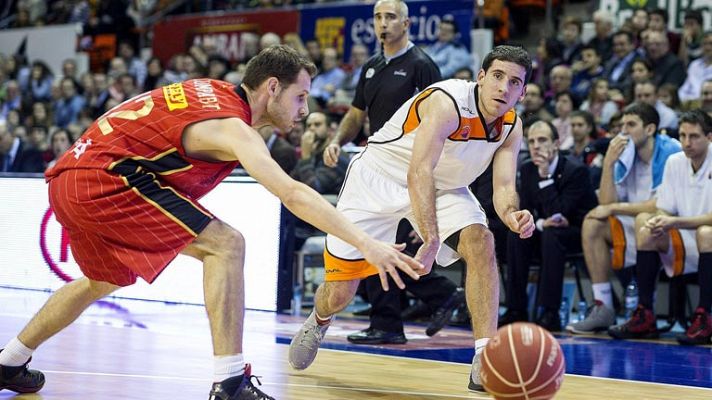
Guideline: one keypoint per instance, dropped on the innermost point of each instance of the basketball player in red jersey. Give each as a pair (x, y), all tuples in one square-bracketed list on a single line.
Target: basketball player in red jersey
[(127, 193)]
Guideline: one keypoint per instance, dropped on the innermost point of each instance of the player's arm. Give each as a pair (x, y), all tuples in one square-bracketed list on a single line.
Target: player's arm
[(504, 187), (633, 209), (439, 120), (349, 127), (232, 139)]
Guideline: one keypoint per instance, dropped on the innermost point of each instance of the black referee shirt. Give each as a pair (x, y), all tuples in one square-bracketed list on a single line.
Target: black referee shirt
[(383, 87)]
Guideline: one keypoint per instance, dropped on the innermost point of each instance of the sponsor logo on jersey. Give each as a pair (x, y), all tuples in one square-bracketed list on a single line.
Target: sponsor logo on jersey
[(400, 72), (370, 73), (175, 96)]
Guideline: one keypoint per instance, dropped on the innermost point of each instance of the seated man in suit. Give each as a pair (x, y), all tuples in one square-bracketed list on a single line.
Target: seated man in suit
[(557, 190), (678, 233)]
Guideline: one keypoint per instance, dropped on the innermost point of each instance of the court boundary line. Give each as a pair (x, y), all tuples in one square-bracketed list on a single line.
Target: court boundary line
[(276, 384)]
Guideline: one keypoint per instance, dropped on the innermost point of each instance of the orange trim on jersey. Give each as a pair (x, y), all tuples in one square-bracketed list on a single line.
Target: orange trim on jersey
[(412, 120), (618, 239), (678, 252), (473, 128), (338, 269)]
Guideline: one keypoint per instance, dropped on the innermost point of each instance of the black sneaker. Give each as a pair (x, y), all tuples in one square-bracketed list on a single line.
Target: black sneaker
[(246, 390), (443, 314), (21, 379)]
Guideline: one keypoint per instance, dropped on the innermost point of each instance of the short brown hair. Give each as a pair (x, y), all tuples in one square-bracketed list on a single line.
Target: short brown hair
[(279, 61)]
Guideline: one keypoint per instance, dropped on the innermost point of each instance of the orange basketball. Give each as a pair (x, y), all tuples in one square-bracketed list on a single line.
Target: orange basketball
[(522, 361)]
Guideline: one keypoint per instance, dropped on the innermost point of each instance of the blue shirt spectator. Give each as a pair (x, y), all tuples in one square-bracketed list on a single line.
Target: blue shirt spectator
[(448, 54), (68, 107)]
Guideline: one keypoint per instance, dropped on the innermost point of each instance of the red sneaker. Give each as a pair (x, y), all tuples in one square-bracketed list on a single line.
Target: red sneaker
[(700, 331), (642, 325)]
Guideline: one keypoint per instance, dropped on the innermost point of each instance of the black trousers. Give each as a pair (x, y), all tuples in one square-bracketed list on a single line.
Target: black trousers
[(551, 247), (386, 307)]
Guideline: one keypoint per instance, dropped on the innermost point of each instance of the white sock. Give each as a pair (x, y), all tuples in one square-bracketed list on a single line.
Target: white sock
[(228, 366), (322, 320), (15, 354), (480, 345), (602, 292)]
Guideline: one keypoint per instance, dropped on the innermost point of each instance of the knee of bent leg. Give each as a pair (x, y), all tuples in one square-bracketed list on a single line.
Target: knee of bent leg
[(476, 243), (227, 240), (704, 238), (593, 228)]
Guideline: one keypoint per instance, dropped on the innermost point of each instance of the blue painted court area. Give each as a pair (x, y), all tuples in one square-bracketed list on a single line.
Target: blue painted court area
[(659, 362)]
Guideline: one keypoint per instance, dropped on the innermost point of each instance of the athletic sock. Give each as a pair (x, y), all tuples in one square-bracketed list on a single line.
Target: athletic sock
[(647, 268), (480, 345), (15, 354), (321, 321), (602, 292), (704, 276), (229, 367)]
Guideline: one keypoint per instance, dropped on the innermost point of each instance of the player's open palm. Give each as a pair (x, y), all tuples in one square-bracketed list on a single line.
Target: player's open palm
[(388, 258)]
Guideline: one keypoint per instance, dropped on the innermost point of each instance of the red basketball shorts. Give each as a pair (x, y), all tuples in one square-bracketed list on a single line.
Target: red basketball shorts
[(122, 227)]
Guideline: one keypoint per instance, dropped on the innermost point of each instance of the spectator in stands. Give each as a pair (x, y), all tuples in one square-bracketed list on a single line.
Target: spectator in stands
[(67, 108), (97, 98), (279, 148), (533, 104), (135, 66), (311, 168), (329, 78), (639, 23), (557, 190), (646, 92), (269, 39), (548, 55), (344, 95), (588, 148), (40, 82), (175, 72), (38, 142), (586, 70), (618, 68), (599, 104), (658, 22), (314, 50), (61, 140), (565, 103), (632, 172), (667, 67), (615, 125), (14, 119), (16, 156), (692, 36), (154, 74), (69, 70), (678, 232), (467, 74), (12, 99), (40, 115), (560, 80), (571, 39), (706, 97), (448, 53), (698, 71), (20, 132), (667, 94), (640, 71), (603, 42), (293, 40)]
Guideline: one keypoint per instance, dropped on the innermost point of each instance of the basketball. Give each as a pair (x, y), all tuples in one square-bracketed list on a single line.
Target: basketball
[(522, 361)]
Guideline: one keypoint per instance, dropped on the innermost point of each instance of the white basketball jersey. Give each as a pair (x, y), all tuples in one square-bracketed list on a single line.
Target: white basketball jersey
[(468, 151), (684, 192)]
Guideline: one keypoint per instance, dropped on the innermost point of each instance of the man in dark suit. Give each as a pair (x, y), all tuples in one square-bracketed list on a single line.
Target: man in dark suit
[(15, 156), (557, 190)]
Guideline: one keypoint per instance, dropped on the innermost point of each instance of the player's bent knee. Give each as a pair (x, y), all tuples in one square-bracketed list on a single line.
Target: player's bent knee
[(704, 238)]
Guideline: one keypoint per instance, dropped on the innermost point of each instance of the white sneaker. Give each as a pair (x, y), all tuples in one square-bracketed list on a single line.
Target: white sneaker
[(475, 381), (305, 344)]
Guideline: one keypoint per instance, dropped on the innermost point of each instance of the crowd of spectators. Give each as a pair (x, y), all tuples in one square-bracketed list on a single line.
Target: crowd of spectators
[(578, 88)]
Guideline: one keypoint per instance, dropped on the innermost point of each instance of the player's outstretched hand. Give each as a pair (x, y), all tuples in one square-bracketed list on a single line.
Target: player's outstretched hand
[(331, 155), (521, 222), (388, 258)]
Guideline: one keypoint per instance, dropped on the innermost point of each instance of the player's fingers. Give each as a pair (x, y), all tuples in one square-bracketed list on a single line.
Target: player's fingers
[(396, 278), (384, 279), (409, 266), (398, 246)]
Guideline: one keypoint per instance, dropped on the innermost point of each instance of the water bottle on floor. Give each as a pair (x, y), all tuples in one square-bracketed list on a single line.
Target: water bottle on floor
[(582, 310), (631, 298), (564, 312)]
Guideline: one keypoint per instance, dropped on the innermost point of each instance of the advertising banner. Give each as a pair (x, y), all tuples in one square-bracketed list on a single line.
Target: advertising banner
[(340, 26), (234, 34), (35, 251)]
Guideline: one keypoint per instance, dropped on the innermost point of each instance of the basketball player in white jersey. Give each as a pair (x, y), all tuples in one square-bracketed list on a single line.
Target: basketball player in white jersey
[(418, 166)]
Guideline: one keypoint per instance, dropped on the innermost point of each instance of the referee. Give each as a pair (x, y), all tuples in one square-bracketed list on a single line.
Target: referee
[(387, 80)]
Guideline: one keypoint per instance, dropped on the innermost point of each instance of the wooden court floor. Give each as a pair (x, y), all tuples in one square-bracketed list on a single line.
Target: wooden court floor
[(163, 352)]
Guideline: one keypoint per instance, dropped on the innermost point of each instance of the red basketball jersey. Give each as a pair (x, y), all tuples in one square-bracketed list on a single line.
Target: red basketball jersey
[(145, 133)]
